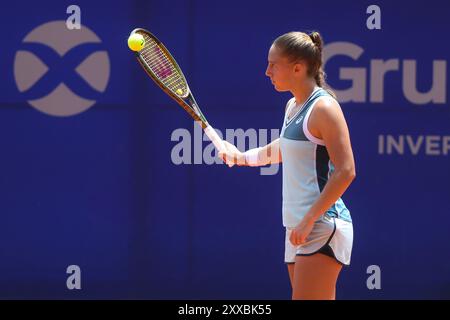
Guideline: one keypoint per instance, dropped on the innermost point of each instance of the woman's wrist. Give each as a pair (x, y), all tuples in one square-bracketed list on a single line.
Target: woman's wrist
[(251, 157), (241, 161)]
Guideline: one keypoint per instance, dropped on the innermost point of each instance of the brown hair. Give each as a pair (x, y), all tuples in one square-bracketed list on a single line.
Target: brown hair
[(297, 46)]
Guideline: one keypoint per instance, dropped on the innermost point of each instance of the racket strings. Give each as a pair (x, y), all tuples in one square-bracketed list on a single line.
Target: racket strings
[(160, 64)]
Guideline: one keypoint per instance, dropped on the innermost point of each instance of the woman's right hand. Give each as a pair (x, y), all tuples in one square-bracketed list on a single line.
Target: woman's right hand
[(232, 155)]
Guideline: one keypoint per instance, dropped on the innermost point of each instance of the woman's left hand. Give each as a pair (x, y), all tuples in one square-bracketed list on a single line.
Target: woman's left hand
[(301, 232)]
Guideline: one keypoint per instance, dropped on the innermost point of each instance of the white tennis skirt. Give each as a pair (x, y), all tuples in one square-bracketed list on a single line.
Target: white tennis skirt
[(330, 236)]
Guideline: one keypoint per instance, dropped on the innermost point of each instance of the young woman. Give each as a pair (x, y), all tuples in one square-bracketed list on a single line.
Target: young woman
[(318, 166)]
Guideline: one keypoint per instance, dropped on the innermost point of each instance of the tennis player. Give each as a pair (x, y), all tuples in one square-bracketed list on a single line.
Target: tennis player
[(318, 166)]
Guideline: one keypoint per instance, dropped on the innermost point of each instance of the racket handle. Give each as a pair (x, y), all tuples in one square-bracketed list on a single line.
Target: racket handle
[(216, 140)]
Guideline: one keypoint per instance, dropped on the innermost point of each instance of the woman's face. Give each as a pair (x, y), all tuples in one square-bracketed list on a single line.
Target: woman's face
[(283, 73)]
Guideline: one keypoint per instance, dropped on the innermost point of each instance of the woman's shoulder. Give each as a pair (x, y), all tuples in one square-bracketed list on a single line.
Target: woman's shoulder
[(326, 107), (326, 101)]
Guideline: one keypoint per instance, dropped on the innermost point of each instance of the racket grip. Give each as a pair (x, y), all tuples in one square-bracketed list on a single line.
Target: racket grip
[(216, 140)]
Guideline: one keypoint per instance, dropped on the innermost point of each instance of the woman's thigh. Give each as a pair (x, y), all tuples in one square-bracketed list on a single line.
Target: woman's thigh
[(315, 277)]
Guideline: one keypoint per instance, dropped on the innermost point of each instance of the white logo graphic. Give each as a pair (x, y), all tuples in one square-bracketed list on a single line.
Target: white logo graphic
[(298, 120), (405, 144), (61, 72), (379, 70)]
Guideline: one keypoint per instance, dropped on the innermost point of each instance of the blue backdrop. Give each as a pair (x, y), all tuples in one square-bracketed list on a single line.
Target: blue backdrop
[(98, 188)]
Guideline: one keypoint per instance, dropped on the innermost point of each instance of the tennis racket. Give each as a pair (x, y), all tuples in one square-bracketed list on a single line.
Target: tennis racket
[(161, 66)]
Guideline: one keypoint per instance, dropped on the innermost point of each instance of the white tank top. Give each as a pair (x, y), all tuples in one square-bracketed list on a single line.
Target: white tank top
[(306, 165)]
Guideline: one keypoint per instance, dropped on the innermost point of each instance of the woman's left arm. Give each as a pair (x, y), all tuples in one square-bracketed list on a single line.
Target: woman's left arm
[(327, 123)]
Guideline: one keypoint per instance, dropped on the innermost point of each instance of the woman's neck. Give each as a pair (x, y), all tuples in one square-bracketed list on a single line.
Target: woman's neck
[(303, 91)]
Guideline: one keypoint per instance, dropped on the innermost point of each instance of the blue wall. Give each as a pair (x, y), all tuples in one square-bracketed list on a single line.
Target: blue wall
[(98, 189)]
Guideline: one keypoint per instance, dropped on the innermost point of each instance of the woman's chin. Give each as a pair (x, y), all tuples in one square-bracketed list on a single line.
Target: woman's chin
[(279, 89)]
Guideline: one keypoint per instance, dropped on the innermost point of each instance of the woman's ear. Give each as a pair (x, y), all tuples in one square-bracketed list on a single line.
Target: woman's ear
[(299, 68)]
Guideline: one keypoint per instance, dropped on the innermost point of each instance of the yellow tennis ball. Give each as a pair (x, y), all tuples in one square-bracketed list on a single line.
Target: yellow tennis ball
[(136, 42), (179, 91)]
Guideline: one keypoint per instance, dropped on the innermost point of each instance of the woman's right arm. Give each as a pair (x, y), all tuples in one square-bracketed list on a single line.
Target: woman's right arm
[(269, 154)]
